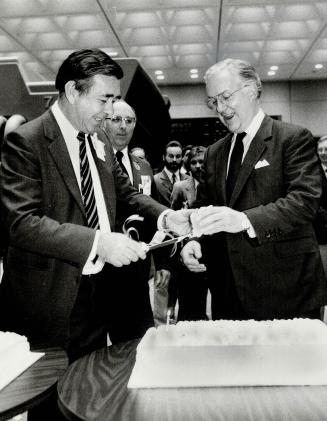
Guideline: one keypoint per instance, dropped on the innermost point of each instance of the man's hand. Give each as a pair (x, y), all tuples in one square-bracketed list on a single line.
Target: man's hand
[(190, 255), (213, 219), (118, 250), (179, 221), (161, 278)]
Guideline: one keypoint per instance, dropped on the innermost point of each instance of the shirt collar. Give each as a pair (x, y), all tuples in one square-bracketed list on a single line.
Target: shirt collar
[(170, 174), (124, 151), (67, 129), (255, 124)]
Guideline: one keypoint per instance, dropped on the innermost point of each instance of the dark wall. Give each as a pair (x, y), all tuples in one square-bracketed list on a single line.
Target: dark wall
[(14, 95)]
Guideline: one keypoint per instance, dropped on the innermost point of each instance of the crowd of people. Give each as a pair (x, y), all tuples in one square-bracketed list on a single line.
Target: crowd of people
[(254, 200)]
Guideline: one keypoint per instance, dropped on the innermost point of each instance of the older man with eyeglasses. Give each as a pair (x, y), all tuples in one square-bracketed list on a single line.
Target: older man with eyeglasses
[(263, 184)]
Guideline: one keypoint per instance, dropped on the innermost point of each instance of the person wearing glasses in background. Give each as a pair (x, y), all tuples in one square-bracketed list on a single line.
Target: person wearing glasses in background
[(119, 129), (263, 183)]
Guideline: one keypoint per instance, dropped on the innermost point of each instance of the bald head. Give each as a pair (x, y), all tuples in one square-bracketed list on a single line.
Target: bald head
[(120, 127)]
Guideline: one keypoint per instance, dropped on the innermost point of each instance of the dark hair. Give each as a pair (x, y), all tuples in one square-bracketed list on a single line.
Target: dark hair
[(187, 148), (195, 150), (172, 144), (81, 65)]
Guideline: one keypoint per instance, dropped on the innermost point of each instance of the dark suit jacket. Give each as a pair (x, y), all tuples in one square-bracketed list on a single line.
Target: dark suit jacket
[(183, 194), (281, 272), (49, 240), (165, 186), (320, 221)]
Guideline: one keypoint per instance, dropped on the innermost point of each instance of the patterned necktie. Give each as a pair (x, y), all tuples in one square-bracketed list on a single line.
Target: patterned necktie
[(119, 156), (87, 189), (235, 164), (174, 178)]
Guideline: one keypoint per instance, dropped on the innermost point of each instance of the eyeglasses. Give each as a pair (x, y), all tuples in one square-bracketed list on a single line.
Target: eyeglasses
[(117, 120), (223, 98)]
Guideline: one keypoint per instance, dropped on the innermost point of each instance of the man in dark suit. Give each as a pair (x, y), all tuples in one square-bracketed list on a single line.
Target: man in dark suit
[(263, 184), (192, 289), (120, 128), (171, 172), (59, 187), (165, 293)]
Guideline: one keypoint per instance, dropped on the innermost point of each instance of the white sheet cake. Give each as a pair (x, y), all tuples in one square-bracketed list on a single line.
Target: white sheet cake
[(231, 353), (15, 356)]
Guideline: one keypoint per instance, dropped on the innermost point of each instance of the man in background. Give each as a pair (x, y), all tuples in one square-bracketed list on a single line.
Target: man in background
[(134, 277), (263, 183), (165, 179), (192, 288), (165, 287)]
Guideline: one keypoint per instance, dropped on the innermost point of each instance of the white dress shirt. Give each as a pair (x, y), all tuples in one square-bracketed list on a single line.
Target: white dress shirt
[(170, 175), (70, 136), (251, 131)]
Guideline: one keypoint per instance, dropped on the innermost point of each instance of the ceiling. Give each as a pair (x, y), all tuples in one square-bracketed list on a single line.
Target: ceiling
[(172, 36)]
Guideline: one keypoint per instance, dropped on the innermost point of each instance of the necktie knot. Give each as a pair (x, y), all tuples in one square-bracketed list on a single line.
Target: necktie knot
[(119, 156), (240, 137), (81, 136)]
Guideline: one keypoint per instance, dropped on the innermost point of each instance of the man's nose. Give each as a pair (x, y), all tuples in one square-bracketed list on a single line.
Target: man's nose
[(108, 108), (220, 106)]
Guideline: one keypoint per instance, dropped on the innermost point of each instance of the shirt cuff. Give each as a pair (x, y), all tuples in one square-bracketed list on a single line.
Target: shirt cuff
[(92, 254), (161, 223), (250, 230)]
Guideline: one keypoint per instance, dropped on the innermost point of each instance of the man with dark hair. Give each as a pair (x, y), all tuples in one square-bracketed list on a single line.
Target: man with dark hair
[(165, 179), (263, 183), (59, 184), (164, 284)]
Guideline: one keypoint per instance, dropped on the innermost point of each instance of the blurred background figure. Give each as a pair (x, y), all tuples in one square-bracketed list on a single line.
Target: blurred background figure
[(184, 191), (165, 179), (320, 223), (138, 152), (186, 151), (165, 289), (192, 288), (14, 122)]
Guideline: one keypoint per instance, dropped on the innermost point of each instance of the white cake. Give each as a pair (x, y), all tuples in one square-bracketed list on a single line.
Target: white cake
[(230, 353), (15, 356)]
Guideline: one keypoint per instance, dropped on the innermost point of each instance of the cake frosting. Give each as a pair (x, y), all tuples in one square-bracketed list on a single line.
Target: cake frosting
[(231, 353), (231, 332), (15, 356)]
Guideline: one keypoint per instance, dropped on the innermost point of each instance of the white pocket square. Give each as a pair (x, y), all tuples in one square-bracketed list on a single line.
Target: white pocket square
[(261, 164)]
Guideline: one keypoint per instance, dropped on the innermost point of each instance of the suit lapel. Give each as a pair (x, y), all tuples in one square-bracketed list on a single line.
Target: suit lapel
[(59, 152), (257, 147)]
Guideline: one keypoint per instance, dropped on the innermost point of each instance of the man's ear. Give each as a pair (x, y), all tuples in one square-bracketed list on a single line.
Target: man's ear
[(253, 91), (70, 91)]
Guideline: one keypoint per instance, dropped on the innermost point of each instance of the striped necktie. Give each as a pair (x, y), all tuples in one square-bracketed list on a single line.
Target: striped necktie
[(235, 164), (87, 185)]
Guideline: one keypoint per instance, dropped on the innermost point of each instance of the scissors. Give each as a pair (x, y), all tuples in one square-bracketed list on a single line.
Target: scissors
[(133, 233)]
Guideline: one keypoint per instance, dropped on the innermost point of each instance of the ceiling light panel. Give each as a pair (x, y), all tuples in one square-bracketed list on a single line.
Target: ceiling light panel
[(175, 35)]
